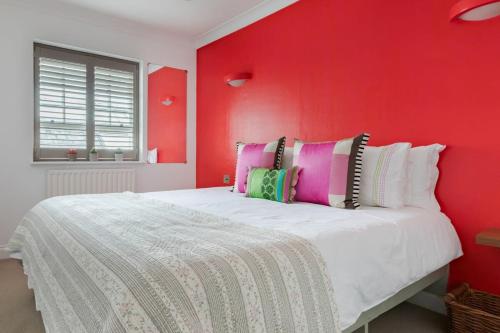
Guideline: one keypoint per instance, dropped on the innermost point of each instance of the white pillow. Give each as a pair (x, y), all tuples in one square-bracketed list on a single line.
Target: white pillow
[(384, 175), (422, 176), (153, 156), (287, 162)]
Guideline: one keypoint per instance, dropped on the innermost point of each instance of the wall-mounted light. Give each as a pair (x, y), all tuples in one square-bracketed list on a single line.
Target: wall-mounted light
[(168, 100), (237, 79), (475, 10)]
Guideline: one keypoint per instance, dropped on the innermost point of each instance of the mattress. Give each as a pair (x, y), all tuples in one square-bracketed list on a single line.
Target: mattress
[(371, 253)]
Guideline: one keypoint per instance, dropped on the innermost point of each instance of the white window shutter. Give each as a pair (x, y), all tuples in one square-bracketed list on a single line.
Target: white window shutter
[(62, 104), (114, 109)]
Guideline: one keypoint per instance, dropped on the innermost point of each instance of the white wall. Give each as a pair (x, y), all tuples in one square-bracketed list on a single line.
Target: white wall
[(22, 184)]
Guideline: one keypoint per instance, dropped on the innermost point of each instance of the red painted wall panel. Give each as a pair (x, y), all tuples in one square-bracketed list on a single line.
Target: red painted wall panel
[(167, 124), (326, 69)]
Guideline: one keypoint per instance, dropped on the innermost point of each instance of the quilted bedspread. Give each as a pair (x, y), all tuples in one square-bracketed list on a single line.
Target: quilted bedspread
[(126, 263)]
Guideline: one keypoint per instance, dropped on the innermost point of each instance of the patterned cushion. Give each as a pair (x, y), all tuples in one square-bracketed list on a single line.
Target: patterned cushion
[(272, 184), (383, 175), (258, 155), (330, 171)]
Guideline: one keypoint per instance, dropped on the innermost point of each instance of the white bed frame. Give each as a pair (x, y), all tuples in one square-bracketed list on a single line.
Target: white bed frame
[(436, 281)]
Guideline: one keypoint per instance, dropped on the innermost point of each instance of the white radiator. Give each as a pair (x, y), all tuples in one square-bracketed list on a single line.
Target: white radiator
[(89, 181)]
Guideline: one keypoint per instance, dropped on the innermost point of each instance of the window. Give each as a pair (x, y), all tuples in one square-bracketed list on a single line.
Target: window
[(84, 101)]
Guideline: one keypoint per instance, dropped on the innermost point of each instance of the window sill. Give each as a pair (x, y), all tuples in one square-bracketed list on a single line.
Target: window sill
[(80, 163)]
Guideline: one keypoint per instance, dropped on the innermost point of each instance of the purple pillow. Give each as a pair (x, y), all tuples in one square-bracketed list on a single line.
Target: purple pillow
[(256, 155), (331, 171)]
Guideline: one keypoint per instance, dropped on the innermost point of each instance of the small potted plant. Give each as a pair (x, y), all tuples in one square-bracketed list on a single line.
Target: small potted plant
[(72, 154), (93, 155), (119, 155)]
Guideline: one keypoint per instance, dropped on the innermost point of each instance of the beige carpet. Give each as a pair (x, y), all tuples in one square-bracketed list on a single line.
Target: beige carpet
[(18, 314), (17, 304)]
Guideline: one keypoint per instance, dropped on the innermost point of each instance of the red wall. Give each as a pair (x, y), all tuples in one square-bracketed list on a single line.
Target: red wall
[(326, 69), (167, 124)]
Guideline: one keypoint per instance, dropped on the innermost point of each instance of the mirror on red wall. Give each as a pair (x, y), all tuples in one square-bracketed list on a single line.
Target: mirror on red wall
[(167, 90)]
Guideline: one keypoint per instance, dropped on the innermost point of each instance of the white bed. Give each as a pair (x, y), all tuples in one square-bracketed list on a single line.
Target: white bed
[(371, 253)]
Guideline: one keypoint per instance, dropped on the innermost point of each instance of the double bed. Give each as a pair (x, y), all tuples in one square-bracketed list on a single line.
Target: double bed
[(359, 261)]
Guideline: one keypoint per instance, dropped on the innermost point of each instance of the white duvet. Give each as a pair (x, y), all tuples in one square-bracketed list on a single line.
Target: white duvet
[(371, 253)]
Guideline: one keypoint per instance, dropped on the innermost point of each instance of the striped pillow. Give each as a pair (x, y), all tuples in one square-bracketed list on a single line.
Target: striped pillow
[(330, 171), (258, 155), (272, 184), (384, 175)]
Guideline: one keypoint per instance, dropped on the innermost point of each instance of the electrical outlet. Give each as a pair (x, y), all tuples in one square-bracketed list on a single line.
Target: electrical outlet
[(226, 179)]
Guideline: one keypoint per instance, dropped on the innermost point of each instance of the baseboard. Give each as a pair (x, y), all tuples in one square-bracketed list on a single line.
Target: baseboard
[(4, 254), (429, 301)]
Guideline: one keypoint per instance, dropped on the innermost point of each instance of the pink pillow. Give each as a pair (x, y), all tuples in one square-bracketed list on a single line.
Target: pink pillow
[(331, 171), (256, 155)]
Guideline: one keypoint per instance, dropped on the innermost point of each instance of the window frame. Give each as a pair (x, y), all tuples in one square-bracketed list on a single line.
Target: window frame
[(91, 60)]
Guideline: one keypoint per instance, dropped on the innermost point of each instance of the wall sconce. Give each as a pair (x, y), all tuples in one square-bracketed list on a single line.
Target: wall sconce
[(475, 10), (237, 79), (168, 100)]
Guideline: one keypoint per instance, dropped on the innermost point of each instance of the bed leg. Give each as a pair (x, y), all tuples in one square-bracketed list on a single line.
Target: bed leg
[(366, 328)]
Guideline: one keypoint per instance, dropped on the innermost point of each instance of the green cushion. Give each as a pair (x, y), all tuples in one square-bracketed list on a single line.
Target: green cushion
[(272, 184)]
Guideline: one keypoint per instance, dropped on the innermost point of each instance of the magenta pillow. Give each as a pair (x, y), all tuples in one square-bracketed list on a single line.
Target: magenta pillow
[(331, 171), (256, 155)]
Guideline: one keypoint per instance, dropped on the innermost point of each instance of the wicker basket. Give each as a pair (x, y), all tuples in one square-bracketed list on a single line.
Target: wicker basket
[(473, 311)]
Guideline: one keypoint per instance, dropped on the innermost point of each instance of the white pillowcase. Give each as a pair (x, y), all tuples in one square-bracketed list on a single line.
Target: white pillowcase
[(287, 161), (384, 175), (422, 176)]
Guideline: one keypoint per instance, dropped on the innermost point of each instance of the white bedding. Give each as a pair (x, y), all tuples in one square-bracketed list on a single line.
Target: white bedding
[(371, 253)]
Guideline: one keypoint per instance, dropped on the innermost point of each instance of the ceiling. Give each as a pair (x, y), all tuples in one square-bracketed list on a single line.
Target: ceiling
[(190, 18)]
